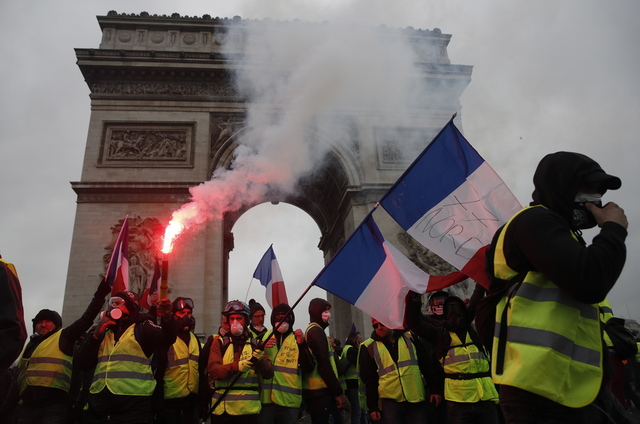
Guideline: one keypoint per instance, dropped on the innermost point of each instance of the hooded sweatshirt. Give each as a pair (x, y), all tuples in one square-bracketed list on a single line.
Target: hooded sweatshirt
[(540, 238), (317, 341)]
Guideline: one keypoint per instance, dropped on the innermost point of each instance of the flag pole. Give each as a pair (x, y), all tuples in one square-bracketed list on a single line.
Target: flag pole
[(247, 295)]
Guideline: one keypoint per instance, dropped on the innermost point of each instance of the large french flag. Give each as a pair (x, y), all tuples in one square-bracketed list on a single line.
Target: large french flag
[(118, 269), (452, 202), (146, 300), (371, 274), (268, 272)]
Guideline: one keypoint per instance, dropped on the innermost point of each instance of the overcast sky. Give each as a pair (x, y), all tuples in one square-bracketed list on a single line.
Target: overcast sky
[(548, 75)]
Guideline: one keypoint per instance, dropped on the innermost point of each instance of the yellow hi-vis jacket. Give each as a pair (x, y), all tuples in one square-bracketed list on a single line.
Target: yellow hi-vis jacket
[(313, 380), (553, 342), (181, 376), (285, 388), (400, 381), (350, 373), (48, 366), (466, 368), (123, 368), (606, 313), (244, 397), (362, 396)]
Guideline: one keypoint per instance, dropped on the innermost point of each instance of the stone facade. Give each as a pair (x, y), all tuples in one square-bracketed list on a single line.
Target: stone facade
[(165, 115)]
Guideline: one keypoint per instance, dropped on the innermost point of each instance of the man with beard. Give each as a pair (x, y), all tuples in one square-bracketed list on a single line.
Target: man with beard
[(256, 327), (237, 397), (178, 371), (120, 348), (281, 395), (547, 352), (323, 393), (44, 371), (468, 390)]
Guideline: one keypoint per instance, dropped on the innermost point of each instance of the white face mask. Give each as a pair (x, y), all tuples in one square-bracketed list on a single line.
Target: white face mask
[(236, 328), (326, 316), (588, 198), (284, 327)]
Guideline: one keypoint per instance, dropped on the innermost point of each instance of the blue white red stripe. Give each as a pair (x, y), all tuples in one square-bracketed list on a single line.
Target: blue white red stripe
[(118, 269), (268, 272)]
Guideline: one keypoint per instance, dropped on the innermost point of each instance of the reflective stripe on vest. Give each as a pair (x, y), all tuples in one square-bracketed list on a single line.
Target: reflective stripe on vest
[(313, 380), (464, 359), (350, 373), (48, 366), (400, 381), (548, 334), (362, 396), (243, 398), (285, 388), (181, 375), (123, 368)]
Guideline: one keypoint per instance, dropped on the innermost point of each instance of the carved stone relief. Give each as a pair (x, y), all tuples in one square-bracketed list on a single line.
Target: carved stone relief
[(126, 144), (400, 146), (145, 239)]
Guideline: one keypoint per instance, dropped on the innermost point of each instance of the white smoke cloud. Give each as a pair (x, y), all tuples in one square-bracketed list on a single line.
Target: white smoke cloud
[(297, 76)]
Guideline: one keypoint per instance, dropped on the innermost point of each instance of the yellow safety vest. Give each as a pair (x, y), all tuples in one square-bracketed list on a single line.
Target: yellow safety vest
[(313, 380), (401, 381), (48, 366), (606, 313), (123, 367), (182, 375), (467, 377), (244, 397), (285, 388), (350, 373), (549, 335), (362, 396)]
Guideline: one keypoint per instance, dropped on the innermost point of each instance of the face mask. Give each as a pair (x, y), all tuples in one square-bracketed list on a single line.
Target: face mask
[(581, 218), (326, 316), (284, 327), (236, 328)]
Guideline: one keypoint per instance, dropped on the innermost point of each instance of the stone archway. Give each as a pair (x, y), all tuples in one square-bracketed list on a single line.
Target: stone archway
[(166, 114)]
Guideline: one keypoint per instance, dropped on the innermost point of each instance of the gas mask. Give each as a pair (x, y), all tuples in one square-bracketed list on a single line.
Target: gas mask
[(237, 328), (115, 312), (581, 218), (284, 327), (326, 316)]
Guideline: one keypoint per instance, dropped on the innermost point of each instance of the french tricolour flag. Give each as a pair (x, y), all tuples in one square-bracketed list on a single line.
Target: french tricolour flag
[(118, 269), (371, 274), (268, 272), (452, 202)]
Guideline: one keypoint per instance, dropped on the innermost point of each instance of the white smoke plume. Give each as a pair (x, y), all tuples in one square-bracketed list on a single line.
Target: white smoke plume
[(297, 75)]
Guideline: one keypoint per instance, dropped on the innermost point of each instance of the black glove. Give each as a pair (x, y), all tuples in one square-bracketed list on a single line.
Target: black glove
[(164, 308), (103, 289)]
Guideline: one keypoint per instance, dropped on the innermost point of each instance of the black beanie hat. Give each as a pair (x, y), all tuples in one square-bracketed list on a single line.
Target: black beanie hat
[(255, 307), (282, 309), (47, 314), (131, 300)]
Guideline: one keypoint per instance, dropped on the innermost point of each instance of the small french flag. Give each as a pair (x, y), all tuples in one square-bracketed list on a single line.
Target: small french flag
[(118, 269), (268, 272)]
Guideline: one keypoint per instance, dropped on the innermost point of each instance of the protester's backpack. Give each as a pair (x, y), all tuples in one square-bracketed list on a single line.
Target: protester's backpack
[(624, 343)]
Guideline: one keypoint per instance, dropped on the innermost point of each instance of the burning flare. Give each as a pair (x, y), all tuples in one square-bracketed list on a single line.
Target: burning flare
[(173, 229)]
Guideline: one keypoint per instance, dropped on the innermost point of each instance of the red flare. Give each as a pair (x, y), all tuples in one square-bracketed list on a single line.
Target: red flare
[(173, 229)]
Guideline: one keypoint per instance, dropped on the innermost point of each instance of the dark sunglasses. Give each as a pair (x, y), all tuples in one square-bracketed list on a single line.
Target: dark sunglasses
[(378, 324)]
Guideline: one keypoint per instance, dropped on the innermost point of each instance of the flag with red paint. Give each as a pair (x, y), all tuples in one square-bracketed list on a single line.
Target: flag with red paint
[(118, 269)]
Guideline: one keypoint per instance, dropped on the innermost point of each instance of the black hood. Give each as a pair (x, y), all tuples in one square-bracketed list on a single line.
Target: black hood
[(283, 308), (558, 177), (316, 307)]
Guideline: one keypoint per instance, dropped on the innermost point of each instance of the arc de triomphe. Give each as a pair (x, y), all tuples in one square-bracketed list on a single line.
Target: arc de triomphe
[(165, 114)]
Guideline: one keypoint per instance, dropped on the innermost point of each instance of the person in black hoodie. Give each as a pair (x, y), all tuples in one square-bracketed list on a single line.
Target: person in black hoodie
[(323, 394), (121, 348), (45, 368), (281, 396), (550, 329)]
